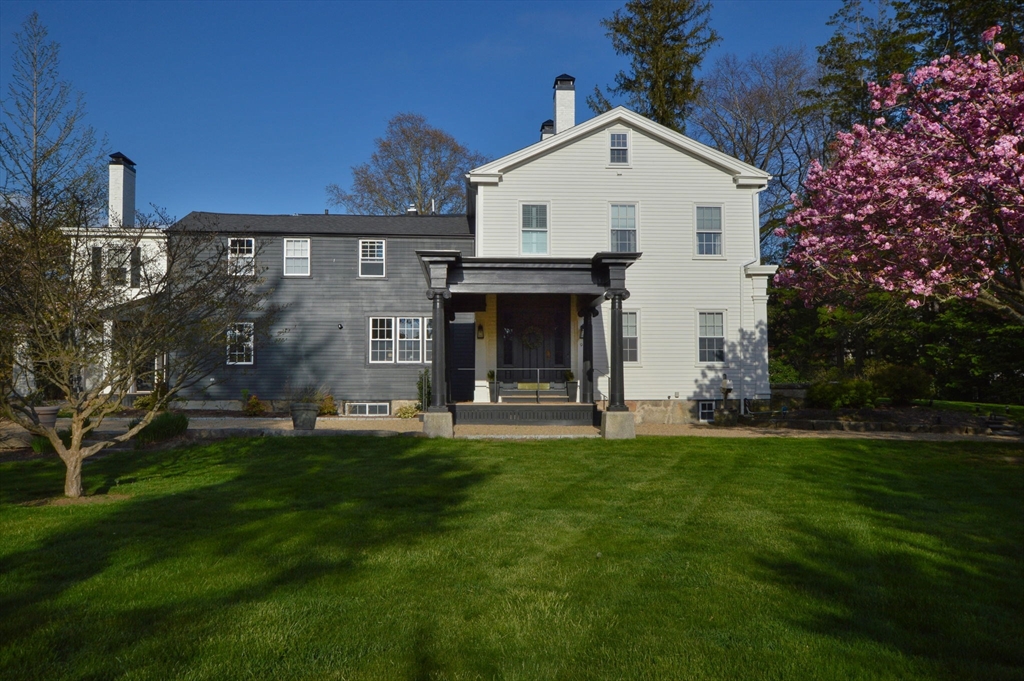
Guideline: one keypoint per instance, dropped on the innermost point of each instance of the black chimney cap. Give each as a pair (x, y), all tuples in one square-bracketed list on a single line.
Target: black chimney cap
[(119, 159), (565, 82), (548, 126)]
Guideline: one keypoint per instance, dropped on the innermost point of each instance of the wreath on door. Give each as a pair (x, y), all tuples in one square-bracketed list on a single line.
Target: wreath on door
[(532, 338)]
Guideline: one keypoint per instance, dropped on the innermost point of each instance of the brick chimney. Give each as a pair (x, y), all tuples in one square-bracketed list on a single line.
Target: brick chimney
[(565, 102), (121, 210)]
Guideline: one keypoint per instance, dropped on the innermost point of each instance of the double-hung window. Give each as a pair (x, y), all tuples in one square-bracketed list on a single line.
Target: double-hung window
[(709, 230), (371, 257), (296, 257), (624, 227), (535, 229), (382, 340), (630, 337), (242, 256), (711, 337), (619, 148), (405, 340), (240, 343), (409, 339)]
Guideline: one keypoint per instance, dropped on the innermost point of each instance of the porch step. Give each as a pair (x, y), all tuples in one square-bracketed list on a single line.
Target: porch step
[(534, 396), (532, 414)]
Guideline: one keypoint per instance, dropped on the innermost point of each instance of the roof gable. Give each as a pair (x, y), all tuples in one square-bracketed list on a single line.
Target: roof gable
[(743, 174)]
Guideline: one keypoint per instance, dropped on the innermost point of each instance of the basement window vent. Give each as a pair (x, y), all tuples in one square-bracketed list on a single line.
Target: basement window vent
[(369, 409), (706, 412)]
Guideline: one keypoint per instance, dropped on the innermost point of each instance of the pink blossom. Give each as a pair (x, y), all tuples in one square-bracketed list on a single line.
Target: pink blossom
[(990, 34), (935, 208)]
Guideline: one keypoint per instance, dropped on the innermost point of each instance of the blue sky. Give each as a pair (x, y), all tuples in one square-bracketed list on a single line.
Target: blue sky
[(254, 107)]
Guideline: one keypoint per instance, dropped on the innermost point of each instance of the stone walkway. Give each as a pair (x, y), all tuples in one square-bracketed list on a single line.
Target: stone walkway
[(12, 437)]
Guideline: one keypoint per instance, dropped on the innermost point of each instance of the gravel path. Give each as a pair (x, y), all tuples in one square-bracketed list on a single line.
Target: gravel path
[(13, 437)]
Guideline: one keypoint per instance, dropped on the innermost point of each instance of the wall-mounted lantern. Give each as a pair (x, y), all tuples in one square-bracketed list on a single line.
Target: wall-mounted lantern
[(480, 331)]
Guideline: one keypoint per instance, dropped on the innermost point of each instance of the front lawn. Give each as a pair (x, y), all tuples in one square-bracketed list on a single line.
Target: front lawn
[(662, 558)]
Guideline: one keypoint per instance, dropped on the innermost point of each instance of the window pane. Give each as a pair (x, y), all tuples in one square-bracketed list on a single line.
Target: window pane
[(630, 338), (296, 257), (408, 339), (624, 241), (620, 156), (711, 343), (371, 258), (709, 243), (535, 242), (382, 339), (428, 342)]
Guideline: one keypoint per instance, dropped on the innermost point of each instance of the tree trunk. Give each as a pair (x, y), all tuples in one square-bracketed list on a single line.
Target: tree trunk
[(73, 477)]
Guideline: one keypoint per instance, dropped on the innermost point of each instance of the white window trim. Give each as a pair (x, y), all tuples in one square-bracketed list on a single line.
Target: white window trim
[(725, 337), (713, 403), (639, 345), (398, 341), (629, 147), (251, 269), (386, 405), (252, 344), (708, 204), (370, 339), (519, 222), (384, 258), (309, 257), (395, 340), (636, 216)]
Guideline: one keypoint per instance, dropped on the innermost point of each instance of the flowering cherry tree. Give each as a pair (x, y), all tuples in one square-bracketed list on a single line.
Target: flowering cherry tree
[(934, 207)]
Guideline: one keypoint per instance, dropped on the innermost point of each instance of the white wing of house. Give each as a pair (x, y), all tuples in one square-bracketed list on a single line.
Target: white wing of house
[(620, 182)]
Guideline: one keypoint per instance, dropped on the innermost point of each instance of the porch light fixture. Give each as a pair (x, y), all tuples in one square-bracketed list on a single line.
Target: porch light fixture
[(340, 327), (582, 331), (480, 331)]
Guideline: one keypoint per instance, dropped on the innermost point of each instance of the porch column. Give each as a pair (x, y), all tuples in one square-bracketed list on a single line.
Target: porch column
[(587, 379), (438, 373), (616, 390)]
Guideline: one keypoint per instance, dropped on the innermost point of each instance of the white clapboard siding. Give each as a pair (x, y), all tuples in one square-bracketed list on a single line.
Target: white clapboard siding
[(668, 285)]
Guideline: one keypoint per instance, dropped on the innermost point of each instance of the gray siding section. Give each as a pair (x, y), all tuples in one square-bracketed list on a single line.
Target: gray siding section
[(307, 346)]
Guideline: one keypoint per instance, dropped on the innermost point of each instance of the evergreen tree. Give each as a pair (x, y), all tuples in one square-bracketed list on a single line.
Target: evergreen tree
[(955, 26), (666, 41)]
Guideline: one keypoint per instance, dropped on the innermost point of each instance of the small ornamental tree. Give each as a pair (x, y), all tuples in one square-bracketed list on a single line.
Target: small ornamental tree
[(934, 208)]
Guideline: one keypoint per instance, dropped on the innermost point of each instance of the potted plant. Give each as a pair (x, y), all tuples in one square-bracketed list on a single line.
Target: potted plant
[(571, 385), (305, 405), (47, 414), (493, 385)]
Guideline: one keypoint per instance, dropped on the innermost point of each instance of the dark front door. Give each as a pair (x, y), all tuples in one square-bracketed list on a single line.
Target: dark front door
[(533, 333), (462, 362)]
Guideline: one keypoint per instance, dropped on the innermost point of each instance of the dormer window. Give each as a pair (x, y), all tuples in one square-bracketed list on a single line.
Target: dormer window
[(619, 148)]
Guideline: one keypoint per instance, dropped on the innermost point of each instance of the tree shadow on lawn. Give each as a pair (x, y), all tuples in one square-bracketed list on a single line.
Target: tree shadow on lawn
[(254, 517), (926, 560)]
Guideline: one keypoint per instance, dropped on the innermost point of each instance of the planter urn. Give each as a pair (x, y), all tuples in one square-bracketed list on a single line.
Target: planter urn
[(304, 415), (572, 390), (47, 416), (493, 386)]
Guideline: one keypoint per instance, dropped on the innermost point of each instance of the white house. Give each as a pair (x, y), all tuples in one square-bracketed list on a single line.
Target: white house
[(693, 298)]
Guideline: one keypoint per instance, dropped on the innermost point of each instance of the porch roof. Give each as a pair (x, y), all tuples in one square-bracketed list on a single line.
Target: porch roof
[(449, 272)]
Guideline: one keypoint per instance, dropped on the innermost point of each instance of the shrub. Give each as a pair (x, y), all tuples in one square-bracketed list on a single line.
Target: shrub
[(423, 390), (409, 411), (254, 407), (165, 426), (328, 407), (849, 393), (780, 372), (901, 384)]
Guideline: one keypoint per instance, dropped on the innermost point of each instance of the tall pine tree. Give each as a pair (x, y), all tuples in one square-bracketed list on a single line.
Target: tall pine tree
[(666, 40)]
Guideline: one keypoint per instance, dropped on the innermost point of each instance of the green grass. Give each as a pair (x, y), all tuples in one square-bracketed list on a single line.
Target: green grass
[(662, 558), (1016, 412)]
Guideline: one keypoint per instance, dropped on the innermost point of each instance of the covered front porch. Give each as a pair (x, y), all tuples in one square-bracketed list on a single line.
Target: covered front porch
[(517, 340)]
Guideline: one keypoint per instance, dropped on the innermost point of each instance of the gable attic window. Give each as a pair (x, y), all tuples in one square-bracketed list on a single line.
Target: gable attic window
[(619, 148), (371, 257), (242, 256), (296, 257), (535, 229)]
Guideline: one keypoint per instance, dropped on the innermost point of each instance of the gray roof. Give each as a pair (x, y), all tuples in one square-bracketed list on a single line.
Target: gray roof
[(384, 225)]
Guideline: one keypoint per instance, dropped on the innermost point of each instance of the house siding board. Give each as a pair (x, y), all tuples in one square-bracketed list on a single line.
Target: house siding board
[(307, 346), (669, 284)]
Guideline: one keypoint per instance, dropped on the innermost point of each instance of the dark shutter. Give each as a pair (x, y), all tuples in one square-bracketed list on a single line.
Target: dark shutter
[(136, 272), (97, 265)]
